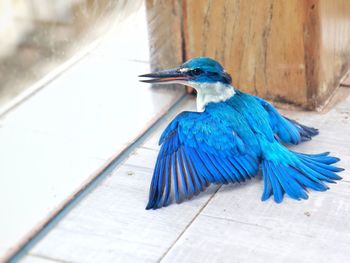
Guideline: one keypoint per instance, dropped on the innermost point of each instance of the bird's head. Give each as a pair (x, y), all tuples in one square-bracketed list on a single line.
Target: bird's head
[(207, 76), (194, 72)]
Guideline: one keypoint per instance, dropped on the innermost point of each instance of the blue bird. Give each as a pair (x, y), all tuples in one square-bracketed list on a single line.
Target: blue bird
[(228, 139)]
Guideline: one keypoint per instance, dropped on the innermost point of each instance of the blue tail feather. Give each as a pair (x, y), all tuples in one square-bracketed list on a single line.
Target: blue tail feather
[(320, 159), (276, 187), (322, 166), (314, 173), (291, 187), (267, 183), (293, 178), (306, 182), (313, 155)]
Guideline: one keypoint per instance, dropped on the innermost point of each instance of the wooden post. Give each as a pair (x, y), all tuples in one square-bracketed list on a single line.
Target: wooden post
[(289, 51)]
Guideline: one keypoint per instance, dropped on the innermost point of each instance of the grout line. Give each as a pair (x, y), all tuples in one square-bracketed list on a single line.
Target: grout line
[(142, 168), (188, 225), (237, 221), (48, 258), (149, 148), (95, 182)]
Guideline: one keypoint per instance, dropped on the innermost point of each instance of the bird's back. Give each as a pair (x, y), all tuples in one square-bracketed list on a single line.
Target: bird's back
[(256, 116), (247, 117)]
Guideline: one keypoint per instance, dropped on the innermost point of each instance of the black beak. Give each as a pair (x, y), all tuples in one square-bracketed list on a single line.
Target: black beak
[(165, 76)]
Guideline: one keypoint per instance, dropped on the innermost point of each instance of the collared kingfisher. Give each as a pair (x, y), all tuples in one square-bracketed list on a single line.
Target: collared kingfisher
[(230, 136)]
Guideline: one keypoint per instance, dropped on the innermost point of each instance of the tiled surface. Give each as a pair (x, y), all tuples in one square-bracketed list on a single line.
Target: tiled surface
[(54, 142), (230, 225)]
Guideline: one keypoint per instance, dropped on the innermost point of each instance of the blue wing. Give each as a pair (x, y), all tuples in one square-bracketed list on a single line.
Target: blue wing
[(306, 133), (199, 149), (288, 131)]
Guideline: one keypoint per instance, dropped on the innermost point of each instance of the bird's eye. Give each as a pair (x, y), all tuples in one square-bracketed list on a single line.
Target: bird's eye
[(196, 71)]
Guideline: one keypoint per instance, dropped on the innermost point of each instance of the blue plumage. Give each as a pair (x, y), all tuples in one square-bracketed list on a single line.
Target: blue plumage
[(229, 141)]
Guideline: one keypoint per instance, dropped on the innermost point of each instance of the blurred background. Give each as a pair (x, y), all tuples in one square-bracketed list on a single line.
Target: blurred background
[(38, 35)]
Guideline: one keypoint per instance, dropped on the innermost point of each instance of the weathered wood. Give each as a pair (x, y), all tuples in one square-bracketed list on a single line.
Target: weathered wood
[(287, 51)]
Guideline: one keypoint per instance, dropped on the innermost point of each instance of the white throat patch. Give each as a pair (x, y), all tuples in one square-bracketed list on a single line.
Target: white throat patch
[(211, 92)]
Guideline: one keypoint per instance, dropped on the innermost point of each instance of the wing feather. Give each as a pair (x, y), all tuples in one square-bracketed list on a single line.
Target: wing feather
[(197, 150), (288, 131)]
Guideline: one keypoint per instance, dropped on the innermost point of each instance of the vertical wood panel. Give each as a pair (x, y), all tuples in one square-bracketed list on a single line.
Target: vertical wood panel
[(253, 40)]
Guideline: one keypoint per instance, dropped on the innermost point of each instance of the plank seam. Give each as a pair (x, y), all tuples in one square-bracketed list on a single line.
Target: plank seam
[(236, 221), (48, 258), (188, 225)]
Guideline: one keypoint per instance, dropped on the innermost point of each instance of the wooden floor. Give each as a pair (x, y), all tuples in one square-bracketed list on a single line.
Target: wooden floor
[(224, 224)]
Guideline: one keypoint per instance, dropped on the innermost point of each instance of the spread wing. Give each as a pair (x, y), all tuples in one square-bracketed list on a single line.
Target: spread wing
[(198, 149), (288, 131)]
